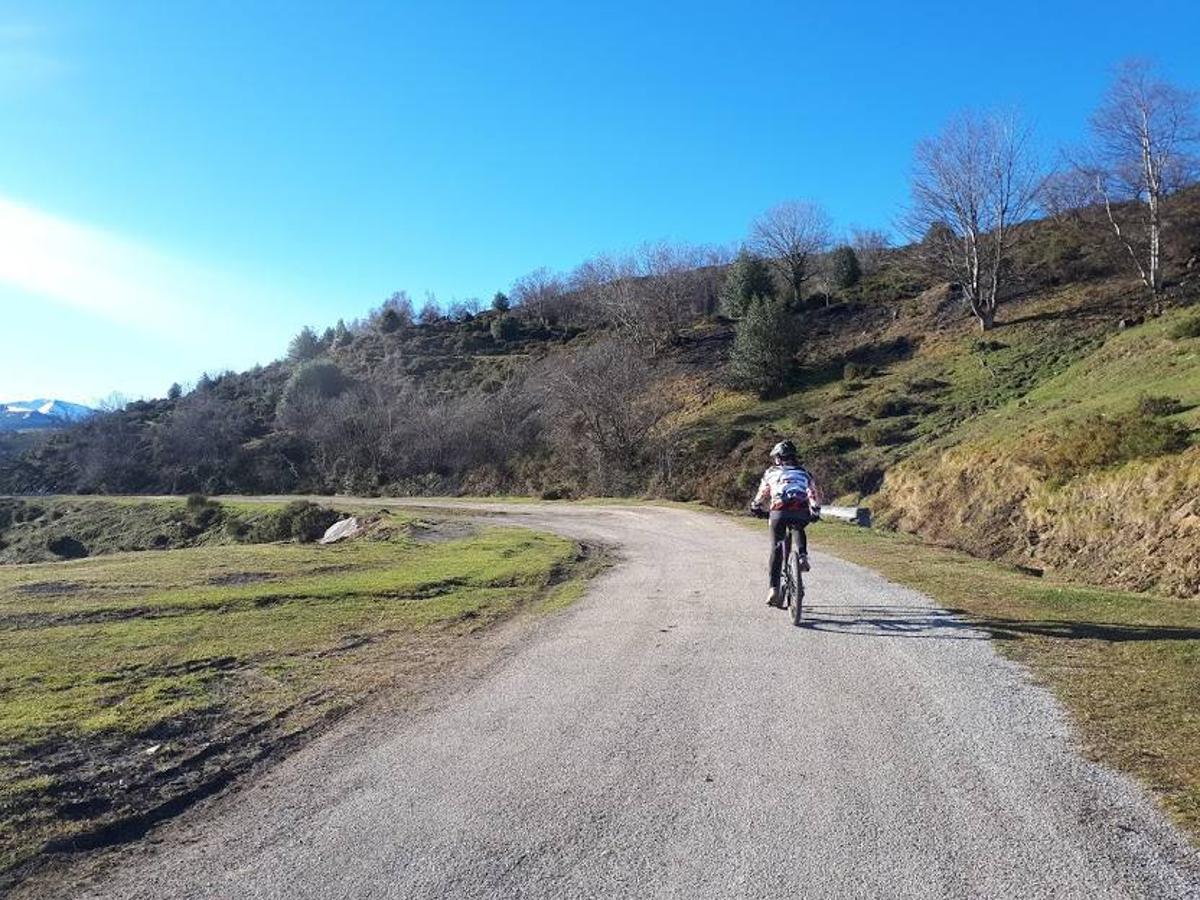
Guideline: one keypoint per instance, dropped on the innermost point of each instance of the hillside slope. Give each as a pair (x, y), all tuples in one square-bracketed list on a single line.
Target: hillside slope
[(1063, 439)]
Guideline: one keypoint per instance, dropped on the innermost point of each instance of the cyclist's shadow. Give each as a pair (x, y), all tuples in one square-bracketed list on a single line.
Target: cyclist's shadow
[(892, 621), (958, 625)]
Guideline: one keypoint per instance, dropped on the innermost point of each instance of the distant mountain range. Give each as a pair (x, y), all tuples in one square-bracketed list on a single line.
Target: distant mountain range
[(29, 415)]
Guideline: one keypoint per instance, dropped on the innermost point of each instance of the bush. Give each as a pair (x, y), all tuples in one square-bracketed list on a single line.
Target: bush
[(988, 346), (852, 371), (839, 443), (844, 269), (1188, 328), (840, 422), (501, 303), (316, 379), (505, 328), (891, 407), (927, 385), (202, 512), (748, 277), (67, 547), (764, 347), (888, 434), (1099, 441), (390, 321), (1159, 406), (300, 520), (305, 345)]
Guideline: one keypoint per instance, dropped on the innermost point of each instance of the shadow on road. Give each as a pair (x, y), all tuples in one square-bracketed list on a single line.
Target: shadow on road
[(955, 624)]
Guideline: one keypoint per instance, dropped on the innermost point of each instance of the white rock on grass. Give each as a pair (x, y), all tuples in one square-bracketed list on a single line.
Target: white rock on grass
[(338, 530)]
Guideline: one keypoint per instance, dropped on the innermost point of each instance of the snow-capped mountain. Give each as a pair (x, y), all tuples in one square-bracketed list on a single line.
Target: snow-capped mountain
[(23, 415)]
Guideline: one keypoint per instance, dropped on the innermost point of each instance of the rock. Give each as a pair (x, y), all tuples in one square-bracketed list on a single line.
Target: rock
[(339, 530)]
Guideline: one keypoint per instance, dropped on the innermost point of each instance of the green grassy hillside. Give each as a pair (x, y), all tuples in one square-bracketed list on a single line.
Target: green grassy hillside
[(1058, 441)]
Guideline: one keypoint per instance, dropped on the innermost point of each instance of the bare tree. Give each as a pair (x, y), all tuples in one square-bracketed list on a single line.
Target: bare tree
[(871, 246), (1066, 193), (971, 186), (791, 236), (540, 295), (650, 294), (601, 413), (1143, 131), (430, 311)]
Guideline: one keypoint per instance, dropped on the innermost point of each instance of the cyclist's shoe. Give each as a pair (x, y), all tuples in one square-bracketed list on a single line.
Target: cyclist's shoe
[(804, 566), (773, 598)]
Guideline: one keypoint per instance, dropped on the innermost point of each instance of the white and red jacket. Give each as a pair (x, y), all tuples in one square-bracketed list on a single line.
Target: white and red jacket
[(787, 487)]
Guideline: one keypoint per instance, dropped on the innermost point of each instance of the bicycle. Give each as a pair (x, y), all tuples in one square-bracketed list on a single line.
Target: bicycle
[(791, 580)]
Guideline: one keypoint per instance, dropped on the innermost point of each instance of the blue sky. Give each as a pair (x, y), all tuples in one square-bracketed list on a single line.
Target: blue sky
[(183, 185)]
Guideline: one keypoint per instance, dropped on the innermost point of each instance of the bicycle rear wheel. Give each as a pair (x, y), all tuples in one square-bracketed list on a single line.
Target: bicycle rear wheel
[(796, 579)]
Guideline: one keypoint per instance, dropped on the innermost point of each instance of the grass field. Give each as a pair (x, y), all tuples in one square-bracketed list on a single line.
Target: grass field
[(133, 683), (1125, 665)]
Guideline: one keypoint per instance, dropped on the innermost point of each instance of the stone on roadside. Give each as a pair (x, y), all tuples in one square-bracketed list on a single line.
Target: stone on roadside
[(342, 529)]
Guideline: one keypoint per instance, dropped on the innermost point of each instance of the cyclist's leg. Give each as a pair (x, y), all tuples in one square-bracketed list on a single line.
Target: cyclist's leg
[(778, 530), (799, 522)]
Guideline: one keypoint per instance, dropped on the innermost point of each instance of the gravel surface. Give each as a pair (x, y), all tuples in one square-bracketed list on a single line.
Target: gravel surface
[(671, 736)]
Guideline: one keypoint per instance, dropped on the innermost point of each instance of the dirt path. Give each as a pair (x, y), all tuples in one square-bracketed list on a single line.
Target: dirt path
[(670, 736)]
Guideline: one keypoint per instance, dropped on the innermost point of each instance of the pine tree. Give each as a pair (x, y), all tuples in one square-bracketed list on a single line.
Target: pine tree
[(764, 347), (305, 345), (844, 269), (748, 277), (390, 321)]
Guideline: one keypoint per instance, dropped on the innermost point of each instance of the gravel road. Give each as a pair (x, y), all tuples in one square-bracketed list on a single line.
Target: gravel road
[(671, 736)]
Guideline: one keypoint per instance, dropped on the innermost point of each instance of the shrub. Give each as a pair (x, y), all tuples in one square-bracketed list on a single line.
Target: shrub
[(305, 345), (505, 328), (988, 346), (852, 371), (764, 348), (839, 443), (890, 407), (1100, 441), (748, 277), (300, 520), (927, 385), (202, 512), (66, 547), (501, 303), (844, 269), (390, 321), (1159, 406), (1188, 328), (316, 379), (887, 434), (840, 422)]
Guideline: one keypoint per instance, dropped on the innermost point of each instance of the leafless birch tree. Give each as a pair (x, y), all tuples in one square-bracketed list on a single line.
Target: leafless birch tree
[(1144, 130), (790, 236), (971, 186)]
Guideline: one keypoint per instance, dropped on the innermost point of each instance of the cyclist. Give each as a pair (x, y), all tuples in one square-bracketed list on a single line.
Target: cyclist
[(794, 501)]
